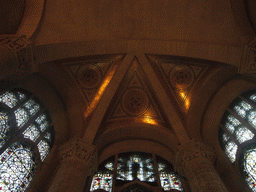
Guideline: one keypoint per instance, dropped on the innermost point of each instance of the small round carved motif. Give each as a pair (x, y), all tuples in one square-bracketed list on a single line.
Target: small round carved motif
[(89, 76), (181, 77), (135, 102)]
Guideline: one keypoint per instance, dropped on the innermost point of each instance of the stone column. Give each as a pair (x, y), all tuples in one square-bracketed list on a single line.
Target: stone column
[(16, 56), (194, 161), (78, 159)]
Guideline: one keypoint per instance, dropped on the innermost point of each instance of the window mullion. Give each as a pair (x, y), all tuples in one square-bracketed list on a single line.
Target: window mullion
[(157, 173), (248, 101), (31, 120), (231, 135), (20, 104), (114, 173), (42, 134), (248, 126)]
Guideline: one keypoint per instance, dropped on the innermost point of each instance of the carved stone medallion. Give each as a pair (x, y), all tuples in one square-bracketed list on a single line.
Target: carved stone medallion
[(89, 76), (181, 77), (135, 102)]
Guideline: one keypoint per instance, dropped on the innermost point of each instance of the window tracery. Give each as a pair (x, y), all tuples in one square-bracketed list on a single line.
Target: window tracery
[(135, 166), (237, 135), (25, 126)]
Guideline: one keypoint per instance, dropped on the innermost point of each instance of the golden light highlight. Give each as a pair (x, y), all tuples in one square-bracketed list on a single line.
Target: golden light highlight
[(100, 92), (149, 120), (187, 102)]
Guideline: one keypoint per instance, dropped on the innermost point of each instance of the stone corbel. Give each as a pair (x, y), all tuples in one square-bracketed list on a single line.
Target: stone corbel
[(16, 56)]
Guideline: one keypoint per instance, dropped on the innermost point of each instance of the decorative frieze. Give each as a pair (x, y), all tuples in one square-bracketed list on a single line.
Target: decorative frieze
[(16, 56)]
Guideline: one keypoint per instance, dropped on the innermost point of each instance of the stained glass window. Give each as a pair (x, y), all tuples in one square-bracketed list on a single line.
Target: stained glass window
[(135, 166), (237, 135), (17, 168), (22, 118)]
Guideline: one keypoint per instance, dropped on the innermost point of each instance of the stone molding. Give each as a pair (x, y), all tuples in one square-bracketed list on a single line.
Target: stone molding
[(77, 149), (190, 153), (21, 54), (248, 63)]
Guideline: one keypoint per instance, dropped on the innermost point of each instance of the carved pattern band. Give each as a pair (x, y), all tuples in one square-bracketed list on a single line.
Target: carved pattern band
[(80, 150), (22, 50), (191, 151)]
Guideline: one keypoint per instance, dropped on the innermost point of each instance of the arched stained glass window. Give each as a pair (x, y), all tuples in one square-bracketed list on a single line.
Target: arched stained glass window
[(26, 138), (237, 132), (168, 178), (135, 166)]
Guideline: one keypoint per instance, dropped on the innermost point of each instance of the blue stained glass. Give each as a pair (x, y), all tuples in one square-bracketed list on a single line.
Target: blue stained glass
[(242, 108), (110, 166), (235, 122), (230, 127), (16, 168)]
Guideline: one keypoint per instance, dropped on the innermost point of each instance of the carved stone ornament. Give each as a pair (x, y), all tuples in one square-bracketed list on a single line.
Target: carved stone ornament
[(19, 54), (190, 152), (80, 150)]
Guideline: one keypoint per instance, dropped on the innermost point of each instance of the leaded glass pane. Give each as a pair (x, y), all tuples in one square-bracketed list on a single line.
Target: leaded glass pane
[(16, 168), (235, 122), (32, 107), (231, 149), (9, 99), (250, 165), (243, 134), (169, 180), (43, 148), (242, 108), (253, 97), (31, 133), (230, 127), (110, 166), (135, 167), (4, 127), (102, 181), (42, 122), (48, 136), (252, 118), (21, 116), (225, 137)]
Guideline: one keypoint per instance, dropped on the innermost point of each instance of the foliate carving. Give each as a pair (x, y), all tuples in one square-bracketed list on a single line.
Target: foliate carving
[(22, 49), (192, 152), (80, 150)]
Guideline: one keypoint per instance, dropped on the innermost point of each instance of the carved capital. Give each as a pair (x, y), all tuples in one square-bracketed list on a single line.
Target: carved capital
[(192, 153), (80, 151), (17, 54)]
